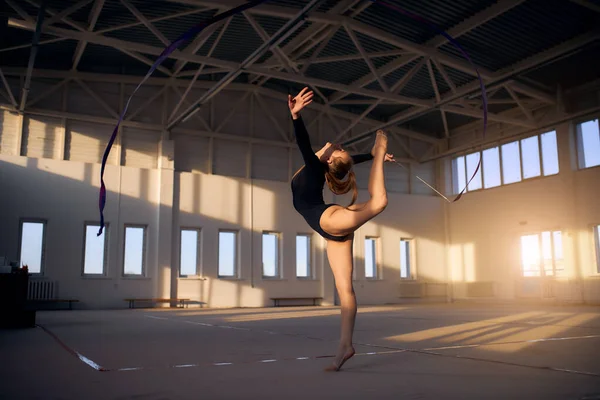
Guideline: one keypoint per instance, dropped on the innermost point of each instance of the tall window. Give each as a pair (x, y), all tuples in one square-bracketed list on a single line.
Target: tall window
[(491, 168), (371, 258), (95, 251), (597, 241), (135, 251), (228, 258), (406, 270), (509, 163), (31, 246), (189, 264), (549, 153), (459, 174), (270, 254), (303, 256), (588, 144), (530, 151), (542, 254)]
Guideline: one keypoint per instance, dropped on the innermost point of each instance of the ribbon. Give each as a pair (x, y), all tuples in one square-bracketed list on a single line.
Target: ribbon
[(163, 56), (464, 53)]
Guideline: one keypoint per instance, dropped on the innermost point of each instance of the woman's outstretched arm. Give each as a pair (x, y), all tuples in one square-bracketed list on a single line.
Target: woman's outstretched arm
[(303, 141), (296, 104)]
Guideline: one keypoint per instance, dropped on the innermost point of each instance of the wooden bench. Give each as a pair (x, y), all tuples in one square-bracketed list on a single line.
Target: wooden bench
[(180, 302), (54, 301), (276, 300)]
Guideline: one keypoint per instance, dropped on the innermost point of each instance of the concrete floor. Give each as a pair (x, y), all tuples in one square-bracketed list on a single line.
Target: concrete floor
[(458, 351)]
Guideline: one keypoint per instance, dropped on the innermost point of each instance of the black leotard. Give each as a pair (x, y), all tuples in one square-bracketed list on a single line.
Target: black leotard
[(307, 185)]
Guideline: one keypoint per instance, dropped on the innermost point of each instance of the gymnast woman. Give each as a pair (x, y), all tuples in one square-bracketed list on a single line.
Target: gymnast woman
[(334, 222)]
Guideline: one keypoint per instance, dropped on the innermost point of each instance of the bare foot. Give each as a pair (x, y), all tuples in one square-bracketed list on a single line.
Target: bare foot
[(344, 355), (381, 142)]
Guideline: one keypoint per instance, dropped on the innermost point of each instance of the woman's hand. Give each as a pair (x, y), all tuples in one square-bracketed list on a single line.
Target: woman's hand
[(389, 157), (297, 103)]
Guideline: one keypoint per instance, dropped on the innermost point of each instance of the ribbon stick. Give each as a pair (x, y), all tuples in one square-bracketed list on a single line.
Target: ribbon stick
[(430, 187), (464, 53), (163, 56)]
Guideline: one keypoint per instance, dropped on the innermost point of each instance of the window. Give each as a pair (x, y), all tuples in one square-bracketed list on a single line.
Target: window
[(588, 144), (491, 168), (135, 250), (188, 255), (406, 271), (460, 174), (370, 258), (228, 254), (511, 162), (270, 254), (94, 253), (597, 241), (303, 256), (530, 152), (31, 248), (542, 254), (549, 153)]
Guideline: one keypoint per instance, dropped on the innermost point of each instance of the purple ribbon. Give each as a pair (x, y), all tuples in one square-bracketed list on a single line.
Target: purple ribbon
[(163, 56), (464, 53)]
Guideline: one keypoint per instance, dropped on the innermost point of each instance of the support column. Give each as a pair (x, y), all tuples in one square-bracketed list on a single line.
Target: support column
[(63, 122), (19, 134), (166, 276)]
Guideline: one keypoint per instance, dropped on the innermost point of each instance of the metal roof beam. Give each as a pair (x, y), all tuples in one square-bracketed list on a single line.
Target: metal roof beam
[(199, 71), (498, 78), (118, 44), (93, 19), (60, 16), (291, 26), (298, 45), (477, 113), (146, 23), (493, 11), (240, 87), (10, 94), (53, 13), (32, 56), (199, 41)]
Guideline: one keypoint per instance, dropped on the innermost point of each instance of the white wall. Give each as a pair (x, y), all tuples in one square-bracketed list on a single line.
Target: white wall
[(49, 166), (485, 228), (64, 193)]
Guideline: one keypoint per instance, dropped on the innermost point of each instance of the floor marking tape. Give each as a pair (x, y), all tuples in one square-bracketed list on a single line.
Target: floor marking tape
[(390, 350)]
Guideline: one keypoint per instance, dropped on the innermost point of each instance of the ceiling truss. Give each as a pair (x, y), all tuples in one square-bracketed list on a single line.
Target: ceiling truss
[(290, 62)]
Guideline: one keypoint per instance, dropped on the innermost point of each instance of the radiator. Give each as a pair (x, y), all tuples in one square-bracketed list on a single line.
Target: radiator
[(480, 289), (412, 289), (42, 290)]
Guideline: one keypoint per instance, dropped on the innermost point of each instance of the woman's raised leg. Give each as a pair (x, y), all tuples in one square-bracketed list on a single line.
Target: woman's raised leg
[(340, 260), (340, 221)]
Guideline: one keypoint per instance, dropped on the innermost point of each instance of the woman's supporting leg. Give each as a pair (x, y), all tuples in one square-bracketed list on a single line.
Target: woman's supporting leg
[(340, 221), (340, 260)]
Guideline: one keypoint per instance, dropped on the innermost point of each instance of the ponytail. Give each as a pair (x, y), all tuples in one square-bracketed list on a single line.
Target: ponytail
[(334, 177)]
